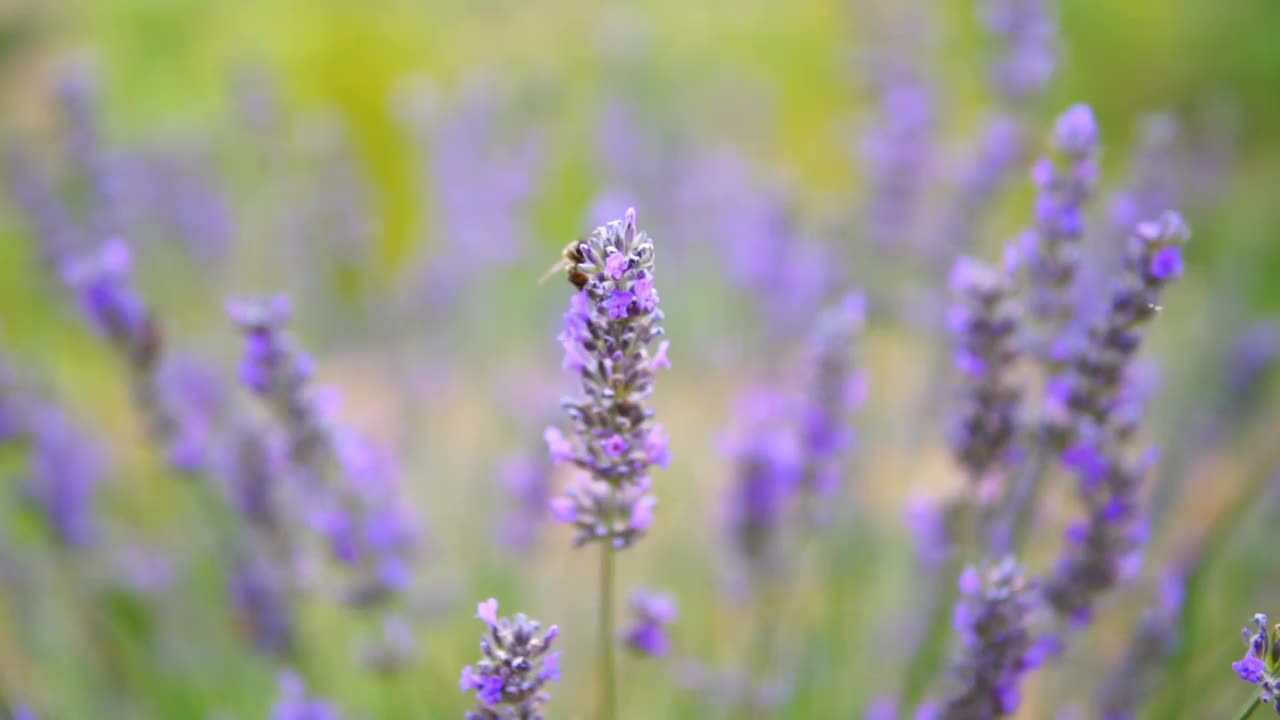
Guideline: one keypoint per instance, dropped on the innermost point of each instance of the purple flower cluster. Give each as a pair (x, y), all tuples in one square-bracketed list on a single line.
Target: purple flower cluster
[(517, 664), (1261, 662), (985, 324), (651, 612), (1105, 547), (767, 465), (612, 322), (1000, 148), (260, 595), (1064, 184), (103, 283), (66, 468), (294, 703), (995, 642), (1027, 36), (896, 154), (1087, 391), (835, 388)]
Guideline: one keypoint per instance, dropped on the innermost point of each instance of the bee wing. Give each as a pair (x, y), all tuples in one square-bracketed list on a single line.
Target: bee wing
[(559, 266)]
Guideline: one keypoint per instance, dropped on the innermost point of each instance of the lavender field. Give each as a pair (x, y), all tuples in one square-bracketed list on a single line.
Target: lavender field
[(559, 360)]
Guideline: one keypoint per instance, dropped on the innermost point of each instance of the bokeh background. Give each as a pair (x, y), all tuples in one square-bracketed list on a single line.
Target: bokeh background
[(406, 171)]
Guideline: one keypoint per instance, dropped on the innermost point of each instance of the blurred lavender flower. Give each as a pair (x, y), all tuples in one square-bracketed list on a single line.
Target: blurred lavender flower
[(882, 708), (611, 323), (985, 324), (835, 389), (529, 484), (103, 283), (652, 613), (393, 649), (1251, 360), (1027, 37), (928, 521), (1156, 170), (517, 663), (1065, 183), (767, 467), (896, 154), (45, 214), (1001, 147), (65, 470), (995, 642), (1086, 393), (1261, 662), (1153, 641), (259, 592), (294, 703), (78, 97), (172, 193), (1105, 548)]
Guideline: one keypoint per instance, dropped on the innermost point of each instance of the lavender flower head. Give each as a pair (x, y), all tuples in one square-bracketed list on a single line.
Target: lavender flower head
[(1087, 392), (1261, 662), (508, 681), (995, 642), (652, 612), (294, 703), (836, 388), (896, 156), (1028, 36), (103, 283), (1064, 182), (65, 471), (985, 323), (767, 466), (612, 323), (527, 482), (1105, 548)]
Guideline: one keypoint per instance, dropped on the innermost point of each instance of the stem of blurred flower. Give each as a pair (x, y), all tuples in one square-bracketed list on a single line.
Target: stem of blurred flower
[(608, 689), (1248, 709)]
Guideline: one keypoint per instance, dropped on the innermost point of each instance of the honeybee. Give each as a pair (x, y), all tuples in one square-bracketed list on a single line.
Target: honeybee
[(569, 260)]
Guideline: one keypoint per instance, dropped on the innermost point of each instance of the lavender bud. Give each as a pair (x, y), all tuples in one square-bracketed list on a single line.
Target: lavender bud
[(1261, 662), (995, 642), (508, 681), (612, 322), (652, 612), (985, 323)]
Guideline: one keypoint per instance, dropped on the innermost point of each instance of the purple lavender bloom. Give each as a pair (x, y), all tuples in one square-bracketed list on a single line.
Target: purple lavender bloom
[(528, 483), (995, 642), (66, 468), (103, 283), (767, 466), (295, 704), (1105, 548), (836, 389), (610, 327), (45, 214), (1065, 183), (1001, 147), (927, 519), (1261, 662), (1252, 358), (897, 154), (259, 594), (985, 323), (1028, 40), (1088, 390), (508, 681), (652, 612)]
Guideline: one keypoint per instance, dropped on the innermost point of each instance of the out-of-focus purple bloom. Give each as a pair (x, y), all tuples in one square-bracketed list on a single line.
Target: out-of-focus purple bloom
[(927, 520), (78, 97), (508, 681), (103, 283), (44, 212), (652, 612), (896, 153), (171, 194), (1027, 35), (836, 388), (883, 708), (610, 326), (294, 703), (1102, 550), (1261, 662), (1000, 148), (65, 471), (995, 641), (393, 649), (528, 483), (259, 593), (1064, 184), (1252, 358), (767, 467), (1088, 390), (985, 323)]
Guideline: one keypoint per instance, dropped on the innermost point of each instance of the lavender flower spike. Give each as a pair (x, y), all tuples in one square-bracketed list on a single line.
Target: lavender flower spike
[(1261, 662), (1028, 36), (653, 612), (612, 323), (985, 324), (1065, 183), (995, 642), (1088, 391), (517, 663)]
